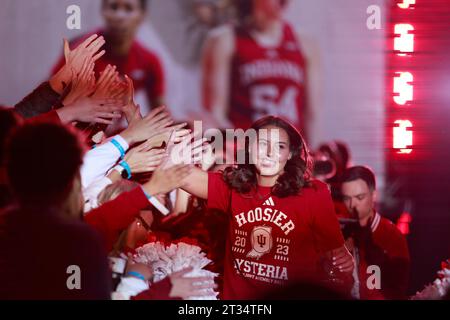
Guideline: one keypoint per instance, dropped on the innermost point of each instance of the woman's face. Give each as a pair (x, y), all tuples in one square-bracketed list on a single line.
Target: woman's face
[(271, 151)]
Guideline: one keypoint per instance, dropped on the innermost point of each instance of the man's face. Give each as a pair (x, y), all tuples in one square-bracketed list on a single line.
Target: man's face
[(122, 17), (138, 230), (358, 199)]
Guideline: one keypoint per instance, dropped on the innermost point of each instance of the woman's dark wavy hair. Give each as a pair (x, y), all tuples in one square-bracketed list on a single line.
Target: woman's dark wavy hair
[(297, 171)]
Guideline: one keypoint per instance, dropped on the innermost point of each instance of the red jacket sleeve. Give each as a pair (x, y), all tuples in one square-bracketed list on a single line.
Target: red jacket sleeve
[(395, 262), (115, 216), (388, 237), (327, 231), (158, 291)]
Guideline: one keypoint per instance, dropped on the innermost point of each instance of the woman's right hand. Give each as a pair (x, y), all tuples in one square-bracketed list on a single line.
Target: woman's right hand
[(166, 180)]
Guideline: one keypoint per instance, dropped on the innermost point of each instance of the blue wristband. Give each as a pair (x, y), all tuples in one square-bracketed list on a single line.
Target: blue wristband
[(136, 275), (127, 168), (146, 194), (119, 147)]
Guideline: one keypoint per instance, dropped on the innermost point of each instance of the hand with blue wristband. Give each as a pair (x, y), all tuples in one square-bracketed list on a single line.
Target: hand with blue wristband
[(166, 180), (119, 147), (139, 271), (136, 275), (141, 159), (155, 123), (127, 168)]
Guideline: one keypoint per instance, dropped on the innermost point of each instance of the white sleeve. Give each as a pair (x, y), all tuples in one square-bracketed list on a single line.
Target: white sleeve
[(129, 287), (99, 160), (91, 193)]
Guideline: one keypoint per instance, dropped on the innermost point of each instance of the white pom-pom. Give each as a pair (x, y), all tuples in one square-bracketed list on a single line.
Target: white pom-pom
[(165, 260)]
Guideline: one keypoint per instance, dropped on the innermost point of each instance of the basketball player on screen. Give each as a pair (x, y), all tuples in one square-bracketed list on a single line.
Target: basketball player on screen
[(258, 67)]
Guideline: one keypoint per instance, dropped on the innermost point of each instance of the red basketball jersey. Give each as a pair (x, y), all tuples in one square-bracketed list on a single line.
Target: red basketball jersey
[(267, 81)]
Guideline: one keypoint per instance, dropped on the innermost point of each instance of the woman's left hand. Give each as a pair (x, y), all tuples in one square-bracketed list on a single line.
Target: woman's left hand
[(342, 260)]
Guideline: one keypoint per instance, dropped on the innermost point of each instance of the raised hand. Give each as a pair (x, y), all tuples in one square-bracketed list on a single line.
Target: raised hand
[(132, 111), (208, 158), (152, 125), (75, 59), (166, 180), (185, 152), (89, 110), (185, 287), (87, 49), (83, 83), (143, 158), (180, 132), (80, 106), (108, 78), (164, 136)]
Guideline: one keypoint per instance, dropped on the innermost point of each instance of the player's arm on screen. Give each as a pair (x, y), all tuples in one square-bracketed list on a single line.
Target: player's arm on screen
[(156, 85), (216, 66), (155, 92), (313, 79)]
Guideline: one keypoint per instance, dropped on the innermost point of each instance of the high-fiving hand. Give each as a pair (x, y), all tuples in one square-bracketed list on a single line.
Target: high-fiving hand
[(153, 124), (185, 152), (144, 158), (75, 59), (87, 49), (80, 105)]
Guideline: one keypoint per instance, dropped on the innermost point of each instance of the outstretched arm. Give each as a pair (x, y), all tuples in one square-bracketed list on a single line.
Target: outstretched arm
[(189, 152), (196, 183), (313, 83), (216, 65)]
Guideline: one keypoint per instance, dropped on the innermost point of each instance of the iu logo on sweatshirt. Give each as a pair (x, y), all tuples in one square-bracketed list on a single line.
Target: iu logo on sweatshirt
[(261, 240)]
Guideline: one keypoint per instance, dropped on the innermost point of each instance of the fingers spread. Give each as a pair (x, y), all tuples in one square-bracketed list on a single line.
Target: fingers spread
[(100, 120), (156, 111), (182, 272), (88, 41), (96, 45), (98, 55), (66, 50), (110, 115)]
